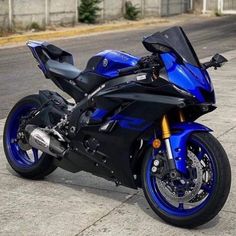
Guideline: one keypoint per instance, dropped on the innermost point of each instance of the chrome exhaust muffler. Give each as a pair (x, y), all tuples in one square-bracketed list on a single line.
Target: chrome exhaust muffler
[(41, 140)]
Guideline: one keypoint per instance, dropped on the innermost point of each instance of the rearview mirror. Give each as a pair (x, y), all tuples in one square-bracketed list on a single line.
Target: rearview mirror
[(216, 61), (219, 59)]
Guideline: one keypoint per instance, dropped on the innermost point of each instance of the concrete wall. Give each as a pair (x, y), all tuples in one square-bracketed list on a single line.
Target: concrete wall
[(173, 7), (152, 7), (198, 6), (229, 5), (63, 12), (24, 12), (3, 14), (211, 5), (113, 9)]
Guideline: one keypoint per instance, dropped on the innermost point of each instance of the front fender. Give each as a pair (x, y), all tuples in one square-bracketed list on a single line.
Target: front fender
[(178, 141)]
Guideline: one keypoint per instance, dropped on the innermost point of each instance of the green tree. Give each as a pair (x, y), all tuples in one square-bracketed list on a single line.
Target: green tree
[(131, 11), (88, 11)]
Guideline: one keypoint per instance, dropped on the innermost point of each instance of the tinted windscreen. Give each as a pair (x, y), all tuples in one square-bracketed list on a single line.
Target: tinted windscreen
[(173, 38)]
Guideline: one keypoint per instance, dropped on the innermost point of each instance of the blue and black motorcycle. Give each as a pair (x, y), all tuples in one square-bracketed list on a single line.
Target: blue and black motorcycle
[(132, 122)]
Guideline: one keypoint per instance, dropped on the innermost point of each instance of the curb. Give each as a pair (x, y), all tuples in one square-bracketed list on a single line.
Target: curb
[(77, 31)]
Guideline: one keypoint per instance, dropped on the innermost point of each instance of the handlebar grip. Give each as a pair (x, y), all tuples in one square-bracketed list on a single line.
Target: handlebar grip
[(128, 70)]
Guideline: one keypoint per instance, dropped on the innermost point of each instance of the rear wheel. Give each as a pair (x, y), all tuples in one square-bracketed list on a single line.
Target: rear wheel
[(25, 160), (197, 197)]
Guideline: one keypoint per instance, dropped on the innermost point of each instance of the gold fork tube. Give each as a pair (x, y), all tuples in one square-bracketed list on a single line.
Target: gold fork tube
[(165, 127), (181, 116)]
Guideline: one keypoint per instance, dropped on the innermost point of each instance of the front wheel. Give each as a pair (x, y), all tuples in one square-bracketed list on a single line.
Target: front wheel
[(196, 197)]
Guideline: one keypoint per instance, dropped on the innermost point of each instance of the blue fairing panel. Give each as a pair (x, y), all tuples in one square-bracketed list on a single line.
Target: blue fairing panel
[(33, 45), (99, 114), (186, 76), (178, 141), (113, 61)]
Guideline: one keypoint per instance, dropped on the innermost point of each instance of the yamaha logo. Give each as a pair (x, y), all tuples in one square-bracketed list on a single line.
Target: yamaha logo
[(105, 62)]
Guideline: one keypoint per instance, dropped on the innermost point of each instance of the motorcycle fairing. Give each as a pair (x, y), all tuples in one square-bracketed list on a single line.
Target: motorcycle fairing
[(115, 147), (43, 52), (181, 63), (188, 77), (178, 141)]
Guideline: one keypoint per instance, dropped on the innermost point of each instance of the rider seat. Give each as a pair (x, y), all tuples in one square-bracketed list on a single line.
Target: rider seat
[(62, 70)]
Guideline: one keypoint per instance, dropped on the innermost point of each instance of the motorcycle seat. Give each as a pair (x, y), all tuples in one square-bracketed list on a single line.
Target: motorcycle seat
[(53, 51), (62, 70)]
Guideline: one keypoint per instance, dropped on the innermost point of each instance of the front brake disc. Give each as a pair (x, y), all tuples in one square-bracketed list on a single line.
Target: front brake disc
[(171, 194)]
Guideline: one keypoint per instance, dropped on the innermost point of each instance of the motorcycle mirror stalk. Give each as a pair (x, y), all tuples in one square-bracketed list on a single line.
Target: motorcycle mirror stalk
[(216, 61)]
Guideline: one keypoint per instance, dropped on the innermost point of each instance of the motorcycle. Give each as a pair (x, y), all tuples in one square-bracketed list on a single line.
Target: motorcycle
[(132, 122)]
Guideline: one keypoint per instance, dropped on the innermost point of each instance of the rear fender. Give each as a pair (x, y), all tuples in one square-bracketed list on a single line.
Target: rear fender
[(178, 141)]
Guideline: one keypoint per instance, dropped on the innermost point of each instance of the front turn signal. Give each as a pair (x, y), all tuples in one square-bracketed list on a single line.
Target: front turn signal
[(156, 143)]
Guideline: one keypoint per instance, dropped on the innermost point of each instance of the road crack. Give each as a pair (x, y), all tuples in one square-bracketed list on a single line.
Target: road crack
[(108, 213), (227, 131)]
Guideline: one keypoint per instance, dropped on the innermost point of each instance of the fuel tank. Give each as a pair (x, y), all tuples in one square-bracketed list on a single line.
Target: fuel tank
[(107, 63)]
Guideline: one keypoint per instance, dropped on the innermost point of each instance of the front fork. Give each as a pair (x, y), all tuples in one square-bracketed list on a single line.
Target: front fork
[(166, 134), (176, 142)]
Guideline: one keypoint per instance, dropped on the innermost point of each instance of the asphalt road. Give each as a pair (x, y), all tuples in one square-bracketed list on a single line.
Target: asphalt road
[(19, 75)]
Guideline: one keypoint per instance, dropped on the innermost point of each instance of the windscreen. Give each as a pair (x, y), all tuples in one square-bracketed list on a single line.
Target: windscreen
[(175, 39)]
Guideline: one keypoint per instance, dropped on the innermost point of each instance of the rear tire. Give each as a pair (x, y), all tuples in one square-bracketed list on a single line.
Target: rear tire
[(217, 198), (35, 170)]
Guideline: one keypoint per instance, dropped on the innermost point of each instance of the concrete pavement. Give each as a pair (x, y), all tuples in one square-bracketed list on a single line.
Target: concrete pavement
[(81, 204)]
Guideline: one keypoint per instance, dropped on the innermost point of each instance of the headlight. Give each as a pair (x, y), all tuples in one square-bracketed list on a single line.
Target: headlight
[(185, 93)]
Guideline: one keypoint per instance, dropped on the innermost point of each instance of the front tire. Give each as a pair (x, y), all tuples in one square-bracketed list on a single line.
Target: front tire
[(215, 198), (29, 164)]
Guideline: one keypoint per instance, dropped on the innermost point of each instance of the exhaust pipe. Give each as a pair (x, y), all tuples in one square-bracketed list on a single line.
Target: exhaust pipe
[(42, 141)]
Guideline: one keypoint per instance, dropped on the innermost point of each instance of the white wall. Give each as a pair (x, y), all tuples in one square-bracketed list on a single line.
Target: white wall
[(63, 12)]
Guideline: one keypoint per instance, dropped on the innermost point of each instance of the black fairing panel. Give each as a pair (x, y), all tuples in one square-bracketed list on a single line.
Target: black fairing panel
[(93, 62), (139, 107), (58, 54), (65, 85), (89, 81), (113, 154)]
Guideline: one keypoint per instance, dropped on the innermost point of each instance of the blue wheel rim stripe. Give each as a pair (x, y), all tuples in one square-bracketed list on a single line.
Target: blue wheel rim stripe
[(19, 157)]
